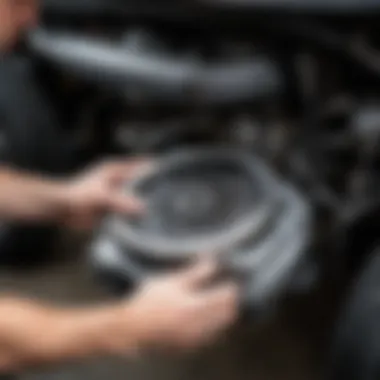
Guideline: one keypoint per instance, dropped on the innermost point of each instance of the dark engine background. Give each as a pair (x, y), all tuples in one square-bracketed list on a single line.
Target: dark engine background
[(295, 83)]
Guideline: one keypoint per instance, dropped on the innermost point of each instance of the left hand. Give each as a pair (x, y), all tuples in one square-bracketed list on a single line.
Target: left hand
[(100, 190)]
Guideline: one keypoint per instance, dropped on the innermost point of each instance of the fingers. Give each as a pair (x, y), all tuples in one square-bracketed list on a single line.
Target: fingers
[(219, 311), (125, 204), (125, 170), (205, 312), (216, 311), (222, 301), (198, 274), (113, 174)]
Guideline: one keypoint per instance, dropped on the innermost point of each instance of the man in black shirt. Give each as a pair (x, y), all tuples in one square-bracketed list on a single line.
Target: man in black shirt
[(170, 311)]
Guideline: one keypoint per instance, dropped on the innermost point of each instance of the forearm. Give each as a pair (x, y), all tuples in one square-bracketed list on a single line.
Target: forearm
[(31, 198), (33, 335)]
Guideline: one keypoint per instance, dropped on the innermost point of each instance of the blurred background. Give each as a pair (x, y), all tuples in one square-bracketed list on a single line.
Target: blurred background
[(265, 119)]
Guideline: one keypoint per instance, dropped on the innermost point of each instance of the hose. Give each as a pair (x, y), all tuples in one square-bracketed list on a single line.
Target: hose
[(161, 77)]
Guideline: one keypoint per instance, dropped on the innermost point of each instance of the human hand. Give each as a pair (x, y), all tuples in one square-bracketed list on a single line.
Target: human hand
[(99, 190), (178, 311)]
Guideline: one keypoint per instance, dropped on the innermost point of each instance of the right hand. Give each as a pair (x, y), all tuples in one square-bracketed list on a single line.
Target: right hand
[(178, 311)]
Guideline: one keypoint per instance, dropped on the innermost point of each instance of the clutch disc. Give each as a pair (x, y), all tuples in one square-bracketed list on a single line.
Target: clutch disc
[(203, 201), (212, 201)]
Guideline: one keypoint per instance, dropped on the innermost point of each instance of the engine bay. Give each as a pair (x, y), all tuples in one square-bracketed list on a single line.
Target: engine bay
[(291, 86)]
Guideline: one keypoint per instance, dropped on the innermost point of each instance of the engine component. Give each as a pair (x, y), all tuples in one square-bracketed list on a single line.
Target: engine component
[(366, 124), (354, 354), (237, 57), (221, 201), (145, 75), (310, 6)]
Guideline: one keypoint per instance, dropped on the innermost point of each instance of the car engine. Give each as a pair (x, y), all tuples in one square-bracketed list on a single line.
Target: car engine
[(263, 117)]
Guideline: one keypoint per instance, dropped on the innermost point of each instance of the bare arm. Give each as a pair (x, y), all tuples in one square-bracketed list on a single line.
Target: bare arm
[(31, 198), (33, 334), (78, 201)]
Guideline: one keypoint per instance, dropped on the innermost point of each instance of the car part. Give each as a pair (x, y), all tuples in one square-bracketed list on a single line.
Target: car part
[(355, 352), (159, 77), (305, 105), (219, 201)]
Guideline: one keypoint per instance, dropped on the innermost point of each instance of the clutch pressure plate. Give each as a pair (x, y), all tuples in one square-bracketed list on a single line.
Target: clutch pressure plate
[(220, 202)]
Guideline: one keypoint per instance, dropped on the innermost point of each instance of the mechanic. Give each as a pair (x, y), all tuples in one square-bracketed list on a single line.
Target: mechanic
[(174, 311)]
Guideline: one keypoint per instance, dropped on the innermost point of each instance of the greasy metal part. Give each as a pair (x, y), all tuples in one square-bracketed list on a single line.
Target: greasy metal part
[(159, 77), (263, 251), (173, 247)]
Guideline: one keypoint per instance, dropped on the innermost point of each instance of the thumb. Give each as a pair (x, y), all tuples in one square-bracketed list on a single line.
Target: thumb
[(124, 203), (120, 171), (198, 274)]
